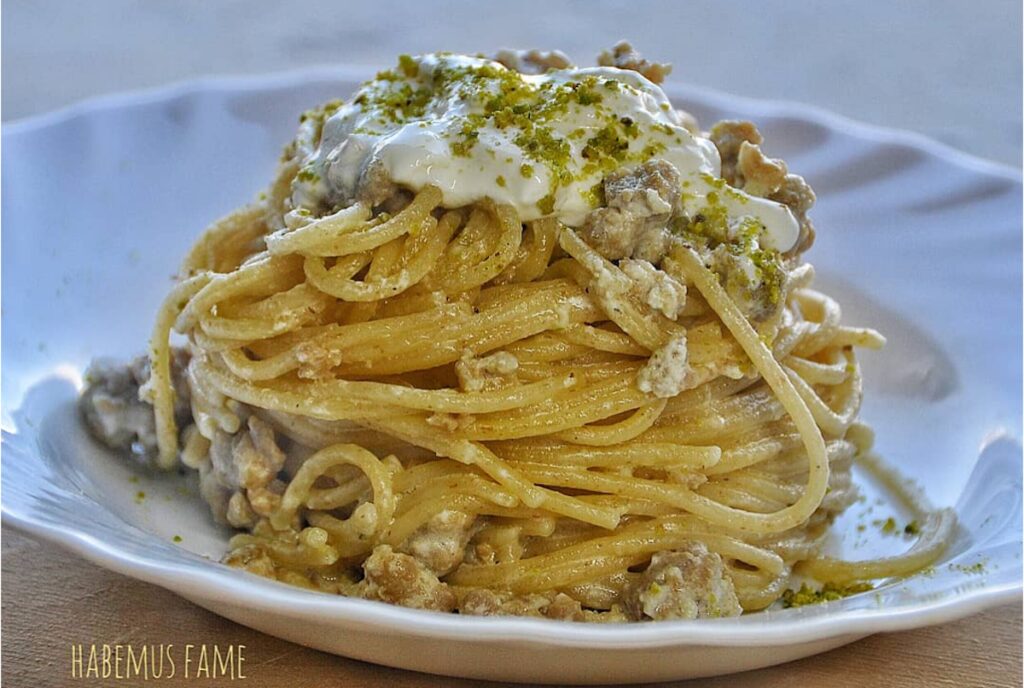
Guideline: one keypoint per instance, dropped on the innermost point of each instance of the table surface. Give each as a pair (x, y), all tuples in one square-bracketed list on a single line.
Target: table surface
[(945, 68), (52, 600)]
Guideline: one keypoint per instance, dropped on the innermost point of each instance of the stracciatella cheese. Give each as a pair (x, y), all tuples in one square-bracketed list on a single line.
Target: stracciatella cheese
[(541, 143)]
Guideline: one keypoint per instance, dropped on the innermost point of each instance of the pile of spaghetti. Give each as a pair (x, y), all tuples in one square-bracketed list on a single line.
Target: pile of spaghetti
[(454, 408)]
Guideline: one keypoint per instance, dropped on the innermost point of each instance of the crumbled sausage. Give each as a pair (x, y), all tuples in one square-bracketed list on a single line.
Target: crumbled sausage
[(612, 233), (796, 193), (441, 543), (241, 483), (244, 507), (476, 374), (565, 608), (114, 410), (648, 189), (375, 185), (264, 500), (667, 372), (744, 166), (655, 287), (728, 137), (484, 602), (238, 512), (687, 583), (401, 579), (624, 56), (533, 61), (744, 283), (254, 559), (761, 175), (640, 201), (249, 458)]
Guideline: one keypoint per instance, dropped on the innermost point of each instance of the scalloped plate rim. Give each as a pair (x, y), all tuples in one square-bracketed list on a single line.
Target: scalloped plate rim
[(208, 581)]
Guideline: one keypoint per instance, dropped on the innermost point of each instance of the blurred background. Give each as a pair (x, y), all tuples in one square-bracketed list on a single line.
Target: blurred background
[(949, 69)]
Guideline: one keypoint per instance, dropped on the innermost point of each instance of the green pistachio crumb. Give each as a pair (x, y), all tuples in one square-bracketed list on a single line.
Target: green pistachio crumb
[(306, 174), (504, 99), (828, 593), (409, 66), (888, 526)]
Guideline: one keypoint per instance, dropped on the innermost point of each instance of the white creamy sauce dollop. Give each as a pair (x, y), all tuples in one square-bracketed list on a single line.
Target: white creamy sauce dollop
[(438, 120)]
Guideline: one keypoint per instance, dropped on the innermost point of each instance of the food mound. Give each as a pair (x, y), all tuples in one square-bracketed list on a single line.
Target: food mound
[(508, 336)]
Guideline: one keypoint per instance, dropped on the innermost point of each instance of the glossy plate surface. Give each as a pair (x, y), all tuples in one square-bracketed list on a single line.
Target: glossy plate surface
[(101, 201)]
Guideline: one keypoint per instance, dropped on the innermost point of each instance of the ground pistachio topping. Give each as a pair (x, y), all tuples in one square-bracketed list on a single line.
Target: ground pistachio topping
[(733, 246), (827, 593), (539, 142)]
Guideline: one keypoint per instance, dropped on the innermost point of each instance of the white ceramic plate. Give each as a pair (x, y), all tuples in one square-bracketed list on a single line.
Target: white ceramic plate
[(100, 202)]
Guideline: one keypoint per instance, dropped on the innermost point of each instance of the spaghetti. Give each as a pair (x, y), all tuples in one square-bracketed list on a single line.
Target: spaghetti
[(474, 408)]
